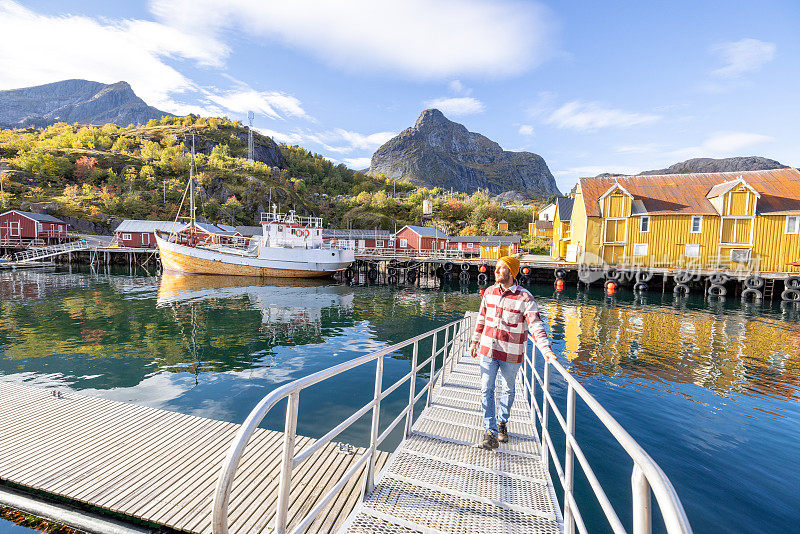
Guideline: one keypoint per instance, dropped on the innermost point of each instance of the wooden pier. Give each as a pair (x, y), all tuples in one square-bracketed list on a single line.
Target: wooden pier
[(156, 467)]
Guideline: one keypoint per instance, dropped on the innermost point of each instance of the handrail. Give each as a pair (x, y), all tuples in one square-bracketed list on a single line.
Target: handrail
[(455, 333), (647, 476)]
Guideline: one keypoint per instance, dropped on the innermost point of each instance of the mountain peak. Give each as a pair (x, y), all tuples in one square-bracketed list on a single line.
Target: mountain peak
[(72, 101), (430, 118), (443, 153)]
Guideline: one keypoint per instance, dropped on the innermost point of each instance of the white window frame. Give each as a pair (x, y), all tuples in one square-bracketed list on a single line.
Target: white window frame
[(403, 243), (699, 226), (637, 247), (469, 245), (379, 243), (796, 219), (126, 237), (605, 230), (695, 246), (642, 225), (12, 225), (746, 252)]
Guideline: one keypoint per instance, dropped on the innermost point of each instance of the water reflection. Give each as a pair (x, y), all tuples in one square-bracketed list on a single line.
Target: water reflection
[(717, 346), (291, 310)]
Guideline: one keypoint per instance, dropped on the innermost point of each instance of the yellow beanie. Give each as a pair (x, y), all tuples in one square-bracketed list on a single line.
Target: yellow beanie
[(513, 264)]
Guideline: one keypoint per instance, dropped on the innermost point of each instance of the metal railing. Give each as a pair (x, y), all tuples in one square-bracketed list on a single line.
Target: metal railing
[(456, 338), (33, 254), (647, 478)]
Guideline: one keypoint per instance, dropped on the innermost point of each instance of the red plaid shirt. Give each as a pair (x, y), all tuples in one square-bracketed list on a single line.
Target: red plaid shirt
[(501, 331)]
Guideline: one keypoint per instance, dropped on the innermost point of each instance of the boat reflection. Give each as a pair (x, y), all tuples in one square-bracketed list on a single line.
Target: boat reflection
[(288, 307)]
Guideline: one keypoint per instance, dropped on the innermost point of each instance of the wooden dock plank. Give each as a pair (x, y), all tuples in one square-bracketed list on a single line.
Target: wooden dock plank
[(156, 465)]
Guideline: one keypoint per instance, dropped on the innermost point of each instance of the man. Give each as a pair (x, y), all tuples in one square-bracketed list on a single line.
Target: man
[(500, 337)]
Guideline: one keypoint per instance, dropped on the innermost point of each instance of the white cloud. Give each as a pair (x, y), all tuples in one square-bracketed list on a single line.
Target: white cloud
[(463, 105), (358, 163), (594, 170), (270, 103), (338, 140), (292, 138), (743, 56), (53, 48), (525, 129), (585, 116), (544, 105), (459, 88), (645, 148), (723, 145), (416, 38)]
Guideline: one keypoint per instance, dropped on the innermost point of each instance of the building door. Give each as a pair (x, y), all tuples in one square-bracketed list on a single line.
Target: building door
[(361, 244), (14, 229), (613, 254)]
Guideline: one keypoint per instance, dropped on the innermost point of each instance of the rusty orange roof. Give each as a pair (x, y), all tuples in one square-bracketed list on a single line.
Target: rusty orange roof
[(686, 193)]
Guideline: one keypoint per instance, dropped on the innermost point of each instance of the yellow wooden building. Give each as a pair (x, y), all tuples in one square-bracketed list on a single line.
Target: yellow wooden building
[(540, 229), (560, 249), (495, 247), (734, 220)]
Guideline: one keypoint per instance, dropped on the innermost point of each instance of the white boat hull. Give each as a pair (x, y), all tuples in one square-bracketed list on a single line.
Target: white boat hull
[(273, 262)]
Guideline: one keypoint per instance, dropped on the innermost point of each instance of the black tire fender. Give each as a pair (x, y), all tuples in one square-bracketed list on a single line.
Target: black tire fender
[(751, 292), (717, 290)]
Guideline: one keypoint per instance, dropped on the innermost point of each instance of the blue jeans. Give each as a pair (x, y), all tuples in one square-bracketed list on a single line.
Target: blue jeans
[(508, 373)]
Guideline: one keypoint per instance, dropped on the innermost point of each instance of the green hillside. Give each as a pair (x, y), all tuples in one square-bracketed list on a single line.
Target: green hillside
[(106, 173)]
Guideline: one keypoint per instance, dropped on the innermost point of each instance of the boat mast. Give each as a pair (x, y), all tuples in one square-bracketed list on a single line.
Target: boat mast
[(192, 219)]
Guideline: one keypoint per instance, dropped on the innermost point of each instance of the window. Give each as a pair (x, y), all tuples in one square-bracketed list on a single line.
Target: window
[(792, 224), (740, 255), (615, 230), (379, 244), (644, 224), (640, 249), (692, 251), (697, 224), (469, 245), (403, 243), (126, 237)]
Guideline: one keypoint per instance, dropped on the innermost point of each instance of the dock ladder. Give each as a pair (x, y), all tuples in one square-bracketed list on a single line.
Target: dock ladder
[(436, 481)]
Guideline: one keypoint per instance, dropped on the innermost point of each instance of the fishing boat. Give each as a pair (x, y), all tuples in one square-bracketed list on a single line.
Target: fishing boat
[(290, 246)]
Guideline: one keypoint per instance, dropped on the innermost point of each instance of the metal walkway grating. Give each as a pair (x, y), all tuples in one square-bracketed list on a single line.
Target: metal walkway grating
[(439, 482)]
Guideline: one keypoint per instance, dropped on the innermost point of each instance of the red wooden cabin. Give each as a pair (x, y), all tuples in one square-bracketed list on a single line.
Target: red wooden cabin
[(420, 238), (23, 226)]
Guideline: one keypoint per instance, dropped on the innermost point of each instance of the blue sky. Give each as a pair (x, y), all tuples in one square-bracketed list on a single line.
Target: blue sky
[(590, 86)]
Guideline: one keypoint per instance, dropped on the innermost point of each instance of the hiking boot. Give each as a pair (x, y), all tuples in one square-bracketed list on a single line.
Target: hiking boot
[(489, 442), (502, 433)]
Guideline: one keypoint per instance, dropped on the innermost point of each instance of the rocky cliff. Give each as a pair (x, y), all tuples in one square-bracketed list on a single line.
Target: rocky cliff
[(73, 101), (747, 163), (439, 152)]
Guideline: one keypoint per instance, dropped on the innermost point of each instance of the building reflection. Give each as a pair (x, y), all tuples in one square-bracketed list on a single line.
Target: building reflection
[(725, 351)]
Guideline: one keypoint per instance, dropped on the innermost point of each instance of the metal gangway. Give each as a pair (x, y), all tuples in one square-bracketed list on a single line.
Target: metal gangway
[(436, 481), (39, 253)]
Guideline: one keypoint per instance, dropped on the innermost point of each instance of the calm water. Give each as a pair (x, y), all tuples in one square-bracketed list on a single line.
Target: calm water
[(709, 389)]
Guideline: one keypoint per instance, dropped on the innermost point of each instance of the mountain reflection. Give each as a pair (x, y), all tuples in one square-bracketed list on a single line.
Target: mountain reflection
[(722, 350)]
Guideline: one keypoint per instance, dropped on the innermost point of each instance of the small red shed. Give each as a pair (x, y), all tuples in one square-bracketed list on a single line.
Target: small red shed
[(22, 226), (421, 239), (141, 234)]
